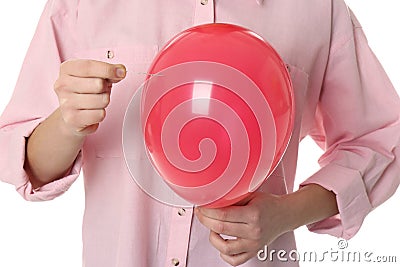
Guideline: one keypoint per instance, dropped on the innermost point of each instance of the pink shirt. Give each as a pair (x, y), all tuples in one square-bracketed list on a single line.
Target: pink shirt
[(344, 101)]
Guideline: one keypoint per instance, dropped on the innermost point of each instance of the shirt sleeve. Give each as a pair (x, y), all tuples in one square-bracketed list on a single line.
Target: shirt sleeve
[(357, 123), (32, 101)]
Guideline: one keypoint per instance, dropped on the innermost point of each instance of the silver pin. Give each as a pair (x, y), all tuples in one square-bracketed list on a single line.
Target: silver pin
[(150, 74)]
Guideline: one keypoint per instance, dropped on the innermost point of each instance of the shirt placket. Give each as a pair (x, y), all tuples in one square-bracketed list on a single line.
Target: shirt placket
[(181, 218), (204, 12), (178, 241)]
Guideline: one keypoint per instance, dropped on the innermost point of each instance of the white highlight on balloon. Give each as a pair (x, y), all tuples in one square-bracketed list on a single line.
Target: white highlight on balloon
[(201, 90)]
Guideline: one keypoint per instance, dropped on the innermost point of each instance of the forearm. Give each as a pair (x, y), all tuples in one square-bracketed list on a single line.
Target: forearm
[(51, 150), (311, 203)]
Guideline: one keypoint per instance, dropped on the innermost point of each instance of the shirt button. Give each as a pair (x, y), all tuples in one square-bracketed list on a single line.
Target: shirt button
[(175, 262), (181, 212), (204, 2), (110, 54)]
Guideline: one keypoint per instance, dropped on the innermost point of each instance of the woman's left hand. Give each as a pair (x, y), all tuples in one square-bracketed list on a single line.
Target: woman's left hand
[(263, 218), (256, 224)]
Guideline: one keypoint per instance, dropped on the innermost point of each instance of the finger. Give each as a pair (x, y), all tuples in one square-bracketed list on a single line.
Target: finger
[(228, 214), (240, 230), (234, 251), (86, 101), (70, 84), (80, 119), (93, 69), (87, 130), (236, 260)]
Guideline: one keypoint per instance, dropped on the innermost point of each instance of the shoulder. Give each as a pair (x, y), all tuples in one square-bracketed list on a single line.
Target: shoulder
[(61, 7), (343, 21)]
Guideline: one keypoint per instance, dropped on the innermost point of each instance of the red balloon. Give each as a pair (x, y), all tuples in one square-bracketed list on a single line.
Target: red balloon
[(217, 113)]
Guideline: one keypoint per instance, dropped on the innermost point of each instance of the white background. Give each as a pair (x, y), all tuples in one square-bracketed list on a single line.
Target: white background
[(48, 234)]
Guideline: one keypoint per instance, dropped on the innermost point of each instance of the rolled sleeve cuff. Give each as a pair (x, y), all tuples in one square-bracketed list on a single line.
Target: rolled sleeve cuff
[(14, 139), (351, 196), (54, 189)]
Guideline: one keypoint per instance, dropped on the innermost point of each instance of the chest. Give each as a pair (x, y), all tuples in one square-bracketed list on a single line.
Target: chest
[(132, 32)]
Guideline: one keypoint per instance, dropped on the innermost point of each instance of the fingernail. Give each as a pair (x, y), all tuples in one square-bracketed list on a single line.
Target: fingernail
[(120, 72)]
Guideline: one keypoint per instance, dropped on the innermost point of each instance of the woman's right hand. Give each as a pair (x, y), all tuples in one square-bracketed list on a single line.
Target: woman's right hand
[(83, 89)]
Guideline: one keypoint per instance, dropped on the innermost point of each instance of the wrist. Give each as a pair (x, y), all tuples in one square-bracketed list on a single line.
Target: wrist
[(310, 204), (51, 140)]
